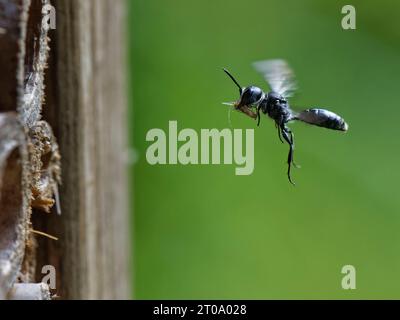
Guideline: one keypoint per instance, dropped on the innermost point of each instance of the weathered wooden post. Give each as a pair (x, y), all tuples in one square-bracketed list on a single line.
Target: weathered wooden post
[(70, 82)]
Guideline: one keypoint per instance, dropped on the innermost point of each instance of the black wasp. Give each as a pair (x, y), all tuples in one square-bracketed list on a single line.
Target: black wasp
[(280, 79)]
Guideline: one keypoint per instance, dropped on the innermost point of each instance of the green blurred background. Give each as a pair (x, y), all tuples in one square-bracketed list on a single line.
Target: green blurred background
[(201, 231)]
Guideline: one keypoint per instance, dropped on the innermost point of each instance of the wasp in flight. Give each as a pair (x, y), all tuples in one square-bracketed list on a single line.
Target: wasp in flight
[(253, 101)]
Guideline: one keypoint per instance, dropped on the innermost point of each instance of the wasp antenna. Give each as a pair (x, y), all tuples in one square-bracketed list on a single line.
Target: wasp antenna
[(233, 79)]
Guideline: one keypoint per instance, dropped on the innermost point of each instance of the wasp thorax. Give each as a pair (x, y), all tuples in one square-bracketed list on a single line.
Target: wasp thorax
[(275, 98), (251, 95)]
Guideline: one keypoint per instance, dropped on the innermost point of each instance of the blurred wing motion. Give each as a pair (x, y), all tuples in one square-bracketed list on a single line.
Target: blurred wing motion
[(278, 75), (322, 118)]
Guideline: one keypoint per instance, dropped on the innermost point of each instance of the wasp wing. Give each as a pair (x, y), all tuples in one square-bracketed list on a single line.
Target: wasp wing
[(322, 118), (278, 75)]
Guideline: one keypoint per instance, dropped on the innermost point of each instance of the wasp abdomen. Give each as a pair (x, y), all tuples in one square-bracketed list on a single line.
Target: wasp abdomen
[(323, 118)]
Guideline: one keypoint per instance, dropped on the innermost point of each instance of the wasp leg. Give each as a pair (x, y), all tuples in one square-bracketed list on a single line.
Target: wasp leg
[(279, 134), (258, 116), (278, 127), (286, 135), (291, 134)]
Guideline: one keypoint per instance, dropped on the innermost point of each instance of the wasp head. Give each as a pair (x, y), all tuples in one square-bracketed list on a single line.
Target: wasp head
[(249, 96)]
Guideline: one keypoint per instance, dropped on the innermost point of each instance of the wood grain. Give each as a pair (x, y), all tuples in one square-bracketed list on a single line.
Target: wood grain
[(87, 110)]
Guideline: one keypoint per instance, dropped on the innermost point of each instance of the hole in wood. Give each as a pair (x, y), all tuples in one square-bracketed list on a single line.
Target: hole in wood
[(9, 24)]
